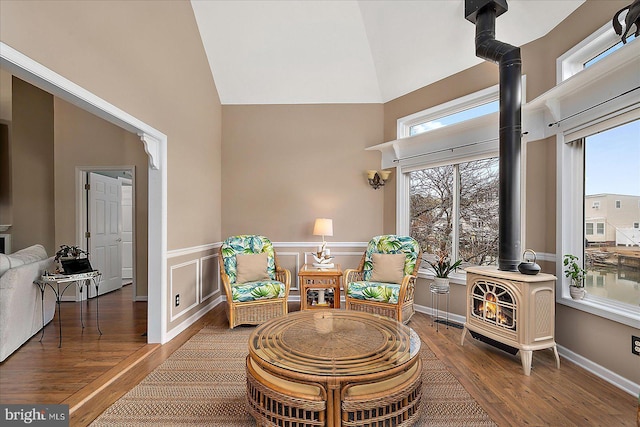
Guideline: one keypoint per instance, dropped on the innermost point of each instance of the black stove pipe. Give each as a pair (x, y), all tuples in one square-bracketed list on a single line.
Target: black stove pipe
[(483, 13)]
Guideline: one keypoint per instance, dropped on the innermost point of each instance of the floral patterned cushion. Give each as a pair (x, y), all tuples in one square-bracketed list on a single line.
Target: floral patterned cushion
[(391, 244), (252, 291), (374, 291), (246, 244)]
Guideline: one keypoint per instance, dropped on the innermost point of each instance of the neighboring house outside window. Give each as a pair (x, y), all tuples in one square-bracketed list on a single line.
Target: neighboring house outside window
[(614, 243)]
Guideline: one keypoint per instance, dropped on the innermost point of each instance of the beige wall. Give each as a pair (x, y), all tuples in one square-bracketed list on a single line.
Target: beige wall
[(5, 174), (590, 336), (32, 170), (84, 140), (285, 165), (5, 95), (147, 59), (5, 161)]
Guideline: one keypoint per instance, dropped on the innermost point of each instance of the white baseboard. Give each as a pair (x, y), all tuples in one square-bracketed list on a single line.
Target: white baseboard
[(600, 371), (171, 334), (586, 364), (456, 318)]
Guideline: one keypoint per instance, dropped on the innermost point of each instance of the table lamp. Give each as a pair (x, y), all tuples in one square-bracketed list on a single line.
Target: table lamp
[(323, 227)]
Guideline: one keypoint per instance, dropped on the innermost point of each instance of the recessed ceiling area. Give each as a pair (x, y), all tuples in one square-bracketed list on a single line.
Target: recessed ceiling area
[(314, 52)]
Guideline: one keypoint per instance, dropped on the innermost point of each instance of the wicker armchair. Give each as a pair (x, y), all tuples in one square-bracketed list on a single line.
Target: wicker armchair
[(256, 299), (384, 297)]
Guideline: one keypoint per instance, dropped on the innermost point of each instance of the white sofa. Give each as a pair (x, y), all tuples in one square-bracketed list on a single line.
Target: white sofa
[(20, 303)]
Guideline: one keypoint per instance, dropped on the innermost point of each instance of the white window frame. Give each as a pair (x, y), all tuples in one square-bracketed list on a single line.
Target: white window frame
[(569, 224), (618, 204), (596, 205), (458, 154), (586, 228), (604, 230), (484, 96), (572, 61), (582, 88)]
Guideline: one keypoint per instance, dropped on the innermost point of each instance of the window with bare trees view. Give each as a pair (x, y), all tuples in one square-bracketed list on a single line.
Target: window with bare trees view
[(454, 210)]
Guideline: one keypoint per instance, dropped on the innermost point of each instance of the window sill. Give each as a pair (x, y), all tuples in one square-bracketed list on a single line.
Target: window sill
[(621, 313)]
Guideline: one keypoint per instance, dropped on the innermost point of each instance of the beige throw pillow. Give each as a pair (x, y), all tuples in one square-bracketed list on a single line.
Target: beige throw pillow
[(388, 268), (251, 268)]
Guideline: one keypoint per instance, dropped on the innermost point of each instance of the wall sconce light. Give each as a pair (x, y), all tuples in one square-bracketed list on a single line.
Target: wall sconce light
[(377, 178)]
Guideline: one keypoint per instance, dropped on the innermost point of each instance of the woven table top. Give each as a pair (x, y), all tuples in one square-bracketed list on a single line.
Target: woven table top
[(334, 343)]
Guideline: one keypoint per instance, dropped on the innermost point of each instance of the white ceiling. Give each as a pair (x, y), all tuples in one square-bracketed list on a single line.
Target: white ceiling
[(312, 52)]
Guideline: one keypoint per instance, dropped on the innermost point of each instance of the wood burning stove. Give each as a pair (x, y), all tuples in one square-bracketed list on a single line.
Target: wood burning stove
[(513, 311), (510, 310)]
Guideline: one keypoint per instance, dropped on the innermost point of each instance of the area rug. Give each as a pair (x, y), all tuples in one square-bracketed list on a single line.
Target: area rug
[(203, 383)]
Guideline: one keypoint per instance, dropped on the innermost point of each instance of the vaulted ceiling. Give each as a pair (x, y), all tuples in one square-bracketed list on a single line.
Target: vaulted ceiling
[(345, 51)]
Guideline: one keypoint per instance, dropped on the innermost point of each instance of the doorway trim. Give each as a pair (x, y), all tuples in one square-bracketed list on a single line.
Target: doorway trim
[(82, 211), (155, 145)]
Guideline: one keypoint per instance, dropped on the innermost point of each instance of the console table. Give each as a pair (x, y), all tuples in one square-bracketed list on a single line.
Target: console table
[(59, 283), (334, 368)]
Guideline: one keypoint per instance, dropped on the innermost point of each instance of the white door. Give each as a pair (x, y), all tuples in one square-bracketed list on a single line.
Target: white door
[(127, 229), (105, 225)]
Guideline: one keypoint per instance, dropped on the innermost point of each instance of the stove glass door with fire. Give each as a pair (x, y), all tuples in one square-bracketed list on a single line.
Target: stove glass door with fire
[(494, 304)]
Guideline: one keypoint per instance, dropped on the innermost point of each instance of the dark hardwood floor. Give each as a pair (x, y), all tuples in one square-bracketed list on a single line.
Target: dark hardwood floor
[(91, 371)]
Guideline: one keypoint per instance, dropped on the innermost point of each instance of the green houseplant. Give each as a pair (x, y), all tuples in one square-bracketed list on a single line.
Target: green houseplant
[(67, 251), (577, 274), (442, 267)]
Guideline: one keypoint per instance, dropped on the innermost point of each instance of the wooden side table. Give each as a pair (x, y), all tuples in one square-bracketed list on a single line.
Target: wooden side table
[(320, 279)]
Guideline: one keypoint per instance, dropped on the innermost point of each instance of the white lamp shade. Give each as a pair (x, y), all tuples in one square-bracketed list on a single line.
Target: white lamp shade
[(323, 227)]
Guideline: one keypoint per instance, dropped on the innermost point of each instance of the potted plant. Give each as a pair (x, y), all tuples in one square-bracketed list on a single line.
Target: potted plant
[(68, 252), (577, 274), (442, 267)]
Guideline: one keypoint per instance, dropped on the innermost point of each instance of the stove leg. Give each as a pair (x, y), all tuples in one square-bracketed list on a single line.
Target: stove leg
[(555, 352), (526, 356), (464, 333)]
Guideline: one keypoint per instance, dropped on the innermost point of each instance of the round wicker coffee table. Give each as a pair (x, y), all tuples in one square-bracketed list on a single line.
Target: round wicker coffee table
[(334, 368)]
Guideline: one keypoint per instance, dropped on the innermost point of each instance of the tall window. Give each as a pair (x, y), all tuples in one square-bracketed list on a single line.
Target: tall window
[(448, 178), (612, 170), (599, 160), (454, 210)]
